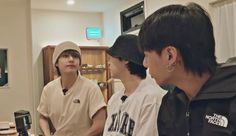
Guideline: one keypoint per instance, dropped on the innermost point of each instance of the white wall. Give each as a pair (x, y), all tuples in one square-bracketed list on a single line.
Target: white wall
[(224, 18), (153, 5), (112, 28), (53, 27), (15, 35)]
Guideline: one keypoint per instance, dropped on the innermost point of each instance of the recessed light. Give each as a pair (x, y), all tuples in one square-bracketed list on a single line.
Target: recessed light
[(70, 2)]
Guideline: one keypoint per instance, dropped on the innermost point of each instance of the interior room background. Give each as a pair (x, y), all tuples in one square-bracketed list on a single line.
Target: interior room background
[(25, 30)]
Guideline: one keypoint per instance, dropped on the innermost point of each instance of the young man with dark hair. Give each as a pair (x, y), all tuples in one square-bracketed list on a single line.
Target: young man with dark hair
[(132, 111), (71, 104), (179, 48)]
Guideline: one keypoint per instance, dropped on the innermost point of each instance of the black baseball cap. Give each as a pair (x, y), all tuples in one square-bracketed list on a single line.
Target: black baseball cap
[(126, 47)]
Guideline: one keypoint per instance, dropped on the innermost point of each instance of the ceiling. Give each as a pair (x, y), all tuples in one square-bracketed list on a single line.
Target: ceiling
[(80, 5)]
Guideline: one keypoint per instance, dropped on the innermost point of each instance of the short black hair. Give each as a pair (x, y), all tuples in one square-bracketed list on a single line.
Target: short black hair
[(136, 69), (188, 29)]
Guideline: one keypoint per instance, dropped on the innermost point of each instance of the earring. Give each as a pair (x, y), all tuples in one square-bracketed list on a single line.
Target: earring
[(171, 67)]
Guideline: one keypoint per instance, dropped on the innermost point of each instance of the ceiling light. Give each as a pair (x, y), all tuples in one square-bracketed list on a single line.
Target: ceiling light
[(70, 2)]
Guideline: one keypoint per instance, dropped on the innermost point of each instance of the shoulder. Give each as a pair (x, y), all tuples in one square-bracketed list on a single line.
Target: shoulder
[(52, 85), (87, 83), (154, 89), (151, 86), (169, 99), (151, 91), (221, 85), (115, 97)]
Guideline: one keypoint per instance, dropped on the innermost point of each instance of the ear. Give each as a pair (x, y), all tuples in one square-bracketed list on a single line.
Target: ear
[(171, 54)]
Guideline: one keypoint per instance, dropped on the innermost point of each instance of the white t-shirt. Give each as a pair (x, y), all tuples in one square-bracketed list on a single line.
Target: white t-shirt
[(71, 114), (137, 115)]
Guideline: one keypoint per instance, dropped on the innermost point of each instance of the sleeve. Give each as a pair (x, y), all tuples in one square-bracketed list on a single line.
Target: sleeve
[(43, 104), (96, 101), (148, 120), (149, 113), (110, 111), (233, 116)]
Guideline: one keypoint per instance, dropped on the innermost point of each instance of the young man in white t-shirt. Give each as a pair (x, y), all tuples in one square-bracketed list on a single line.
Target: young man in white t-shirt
[(72, 104), (134, 110)]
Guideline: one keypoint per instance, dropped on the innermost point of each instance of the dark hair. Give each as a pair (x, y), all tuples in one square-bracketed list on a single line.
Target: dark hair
[(188, 29), (136, 69), (74, 53), (126, 47)]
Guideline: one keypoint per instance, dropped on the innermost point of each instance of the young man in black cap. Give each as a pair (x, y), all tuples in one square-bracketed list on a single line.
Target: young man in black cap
[(179, 48), (132, 111)]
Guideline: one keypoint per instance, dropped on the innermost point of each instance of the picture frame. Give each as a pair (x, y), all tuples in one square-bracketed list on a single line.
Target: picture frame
[(4, 68)]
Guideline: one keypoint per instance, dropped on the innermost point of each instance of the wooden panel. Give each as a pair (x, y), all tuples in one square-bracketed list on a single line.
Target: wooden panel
[(48, 70)]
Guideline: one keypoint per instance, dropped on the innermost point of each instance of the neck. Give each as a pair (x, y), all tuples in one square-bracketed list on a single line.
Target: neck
[(68, 80), (191, 83), (130, 83)]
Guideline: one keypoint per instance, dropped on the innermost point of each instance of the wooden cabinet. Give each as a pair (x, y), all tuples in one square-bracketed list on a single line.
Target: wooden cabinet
[(93, 66)]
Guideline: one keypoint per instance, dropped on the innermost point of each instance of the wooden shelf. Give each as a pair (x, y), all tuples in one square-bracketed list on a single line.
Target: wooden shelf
[(92, 70)]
